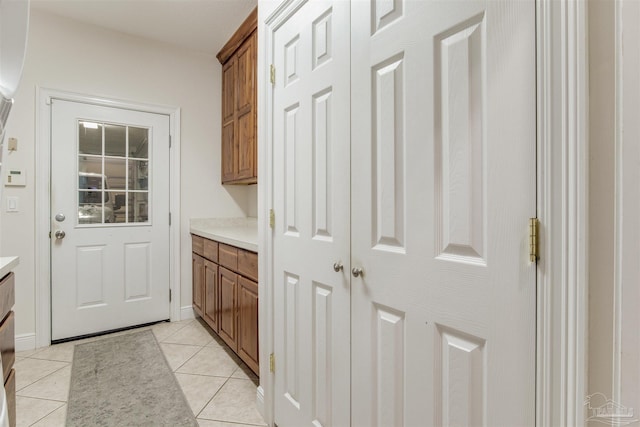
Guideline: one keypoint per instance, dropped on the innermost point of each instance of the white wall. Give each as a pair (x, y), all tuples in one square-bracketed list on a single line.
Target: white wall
[(70, 56)]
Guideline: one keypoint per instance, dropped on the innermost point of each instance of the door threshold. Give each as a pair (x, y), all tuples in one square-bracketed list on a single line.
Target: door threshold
[(110, 331)]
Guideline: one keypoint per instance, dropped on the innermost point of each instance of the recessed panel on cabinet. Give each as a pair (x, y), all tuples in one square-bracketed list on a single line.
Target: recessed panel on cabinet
[(211, 312), (228, 282), (248, 322), (197, 273)]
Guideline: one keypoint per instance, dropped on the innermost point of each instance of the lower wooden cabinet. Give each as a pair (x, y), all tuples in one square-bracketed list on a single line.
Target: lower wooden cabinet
[(225, 295)]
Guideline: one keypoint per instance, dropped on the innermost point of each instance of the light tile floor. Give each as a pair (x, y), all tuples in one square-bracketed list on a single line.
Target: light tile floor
[(220, 389)]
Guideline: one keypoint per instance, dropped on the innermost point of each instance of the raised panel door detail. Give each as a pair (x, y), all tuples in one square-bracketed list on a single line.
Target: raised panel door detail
[(322, 39), (90, 276), (210, 312), (389, 373), (461, 372), (245, 85), (246, 145), (290, 140), (291, 322), (228, 91), (248, 322), (322, 354), (388, 156), (228, 151), (460, 171), (228, 282), (322, 177), (291, 61), (137, 271), (197, 273), (384, 12)]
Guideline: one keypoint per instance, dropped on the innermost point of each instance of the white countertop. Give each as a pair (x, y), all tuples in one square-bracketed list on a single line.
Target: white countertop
[(7, 263), (240, 232)]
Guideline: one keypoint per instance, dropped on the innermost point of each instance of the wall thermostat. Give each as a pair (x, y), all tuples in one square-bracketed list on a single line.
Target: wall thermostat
[(15, 178)]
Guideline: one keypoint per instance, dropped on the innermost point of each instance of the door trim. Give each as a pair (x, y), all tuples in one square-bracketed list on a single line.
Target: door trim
[(562, 181), (43, 200), (562, 298)]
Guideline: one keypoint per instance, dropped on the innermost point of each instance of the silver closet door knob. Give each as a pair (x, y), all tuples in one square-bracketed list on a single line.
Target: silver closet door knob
[(60, 234), (338, 267), (356, 272)]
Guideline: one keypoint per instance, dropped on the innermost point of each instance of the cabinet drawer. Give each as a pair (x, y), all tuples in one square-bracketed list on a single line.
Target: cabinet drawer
[(228, 257), (7, 344), (248, 264), (211, 250), (197, 244), (7, 294)]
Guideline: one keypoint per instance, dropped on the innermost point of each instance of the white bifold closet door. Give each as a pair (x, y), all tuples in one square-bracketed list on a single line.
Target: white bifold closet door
[(439, 118), (311, 201), (443, 121)]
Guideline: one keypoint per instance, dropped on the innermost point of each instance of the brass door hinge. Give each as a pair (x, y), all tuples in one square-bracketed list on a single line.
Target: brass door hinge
[(272, 363), (272, 219), (272, 74), (534, 226)]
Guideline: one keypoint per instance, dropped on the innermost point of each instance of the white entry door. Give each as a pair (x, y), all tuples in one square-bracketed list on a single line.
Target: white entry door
[(311, 201), (443, 183), (109, 218)]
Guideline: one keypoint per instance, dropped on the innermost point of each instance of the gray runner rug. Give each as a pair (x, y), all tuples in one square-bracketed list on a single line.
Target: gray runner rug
[(125, 381)]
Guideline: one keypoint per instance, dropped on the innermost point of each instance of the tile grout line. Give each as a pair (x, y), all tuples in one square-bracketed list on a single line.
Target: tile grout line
[(40, 379), (45, 416), (212, 397)]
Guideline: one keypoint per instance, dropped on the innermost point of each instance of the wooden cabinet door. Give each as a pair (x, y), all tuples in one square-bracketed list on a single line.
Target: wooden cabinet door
[(229, 122), (246, 108), (228, 326), (197, 271), (211, 291), (248, 322)]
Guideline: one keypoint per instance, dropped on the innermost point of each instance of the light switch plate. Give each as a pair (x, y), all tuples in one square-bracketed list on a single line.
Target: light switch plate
[(12, 144), (12, 204)]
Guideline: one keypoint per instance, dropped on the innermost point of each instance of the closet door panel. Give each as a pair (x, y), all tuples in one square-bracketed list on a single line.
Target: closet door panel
[(443, 124), (311, 202)]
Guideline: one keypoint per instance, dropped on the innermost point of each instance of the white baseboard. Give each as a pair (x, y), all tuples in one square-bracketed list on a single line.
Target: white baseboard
[(25, 342), (260, 400), (187, 312)]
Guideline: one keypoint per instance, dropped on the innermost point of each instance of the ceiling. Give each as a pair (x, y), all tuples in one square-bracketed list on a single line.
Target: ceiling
[(200, 25)]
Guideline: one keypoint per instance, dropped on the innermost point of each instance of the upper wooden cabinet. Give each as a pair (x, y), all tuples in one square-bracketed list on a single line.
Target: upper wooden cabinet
[(239, 114)]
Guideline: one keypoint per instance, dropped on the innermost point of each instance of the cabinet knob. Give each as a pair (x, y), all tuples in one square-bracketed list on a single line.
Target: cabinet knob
[(338, 267), (356, 272)]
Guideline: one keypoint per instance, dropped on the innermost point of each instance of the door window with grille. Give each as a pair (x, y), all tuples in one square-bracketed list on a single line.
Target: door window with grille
[(113, 173)]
